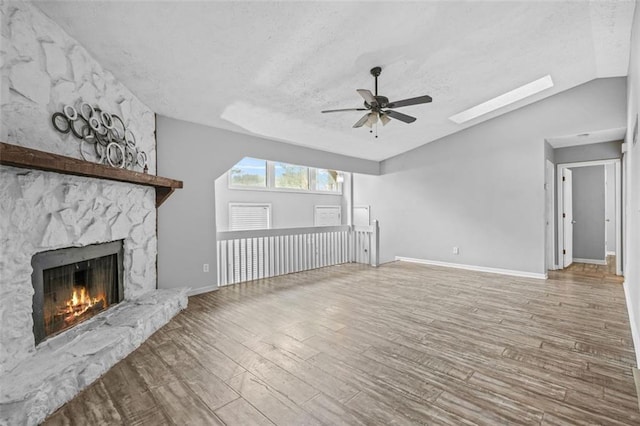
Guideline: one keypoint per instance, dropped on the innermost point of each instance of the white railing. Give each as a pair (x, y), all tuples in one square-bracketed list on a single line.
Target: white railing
[(250, 255)]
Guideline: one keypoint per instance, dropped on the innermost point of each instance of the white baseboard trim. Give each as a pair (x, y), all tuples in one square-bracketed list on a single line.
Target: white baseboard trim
[(611, 253), (592, 261), (499, 271), (632, 322), (201, 290)]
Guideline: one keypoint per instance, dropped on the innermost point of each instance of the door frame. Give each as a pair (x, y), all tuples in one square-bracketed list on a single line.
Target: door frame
[(550, 193), (618, 203)]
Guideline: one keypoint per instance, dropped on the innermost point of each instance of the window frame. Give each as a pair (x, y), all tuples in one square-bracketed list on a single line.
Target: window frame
[(271, 178), (258, 188), (272, 166)]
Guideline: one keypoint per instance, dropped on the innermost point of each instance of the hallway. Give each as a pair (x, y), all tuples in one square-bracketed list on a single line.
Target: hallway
[(589, 272)]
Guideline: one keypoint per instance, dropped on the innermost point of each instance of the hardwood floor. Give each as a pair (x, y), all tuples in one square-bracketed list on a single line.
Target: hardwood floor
[(590, 271), (399, 344)]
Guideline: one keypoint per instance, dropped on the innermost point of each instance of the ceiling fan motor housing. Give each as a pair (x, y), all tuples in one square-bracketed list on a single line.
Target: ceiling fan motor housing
[(381, 102)]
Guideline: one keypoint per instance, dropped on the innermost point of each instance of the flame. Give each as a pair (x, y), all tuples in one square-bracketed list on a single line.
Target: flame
[(81, 303)]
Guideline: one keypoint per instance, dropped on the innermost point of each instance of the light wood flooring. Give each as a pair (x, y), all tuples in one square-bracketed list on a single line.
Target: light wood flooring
[(400, 344), (606, 273)]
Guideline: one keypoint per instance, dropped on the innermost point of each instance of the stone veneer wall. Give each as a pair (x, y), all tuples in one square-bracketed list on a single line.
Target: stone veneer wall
[(43, 68)]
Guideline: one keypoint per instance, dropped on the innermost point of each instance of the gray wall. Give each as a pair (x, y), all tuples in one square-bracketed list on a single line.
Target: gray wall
[(591, 152), (482, 189), (198, 155), (288, 209), (549, 152), (588, 212), (631, 187), (610, 207)]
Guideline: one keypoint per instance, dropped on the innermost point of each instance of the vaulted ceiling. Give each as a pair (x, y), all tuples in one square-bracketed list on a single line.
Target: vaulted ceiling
[(269, 68)]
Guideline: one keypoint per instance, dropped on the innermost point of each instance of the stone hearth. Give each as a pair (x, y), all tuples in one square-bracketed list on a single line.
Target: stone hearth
[(67, 363)]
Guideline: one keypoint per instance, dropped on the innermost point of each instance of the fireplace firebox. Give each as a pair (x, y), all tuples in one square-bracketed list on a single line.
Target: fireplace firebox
[(74, 284)]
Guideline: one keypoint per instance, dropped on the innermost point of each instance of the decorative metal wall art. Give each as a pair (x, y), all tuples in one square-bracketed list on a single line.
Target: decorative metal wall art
[(104, 139)]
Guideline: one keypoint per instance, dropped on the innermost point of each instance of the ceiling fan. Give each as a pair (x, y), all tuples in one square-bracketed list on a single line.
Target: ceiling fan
[(379, 107)]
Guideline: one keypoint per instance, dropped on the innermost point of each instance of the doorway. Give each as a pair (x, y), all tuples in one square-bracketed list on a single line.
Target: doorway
[(595, 232)]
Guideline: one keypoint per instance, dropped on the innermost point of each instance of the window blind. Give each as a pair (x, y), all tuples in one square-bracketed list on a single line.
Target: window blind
[(249, 216)]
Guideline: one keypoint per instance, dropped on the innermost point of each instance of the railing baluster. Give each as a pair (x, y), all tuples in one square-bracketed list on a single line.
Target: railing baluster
[(225, 259), (333, 248), (219, 260), (249, 259), (251, 255), (272, 256), (297, 253), (236, 261), (283, 260)]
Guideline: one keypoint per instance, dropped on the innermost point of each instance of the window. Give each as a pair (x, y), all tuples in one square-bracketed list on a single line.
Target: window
[(290, 176), (255, 174), (244, 216), (326, 180), (249, 172)]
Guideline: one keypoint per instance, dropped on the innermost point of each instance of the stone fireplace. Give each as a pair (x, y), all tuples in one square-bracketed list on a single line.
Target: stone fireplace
[(72, 285), (46, 219), (78, 328)]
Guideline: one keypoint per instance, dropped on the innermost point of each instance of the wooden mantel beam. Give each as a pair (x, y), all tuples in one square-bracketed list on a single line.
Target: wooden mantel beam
[(27, 158)]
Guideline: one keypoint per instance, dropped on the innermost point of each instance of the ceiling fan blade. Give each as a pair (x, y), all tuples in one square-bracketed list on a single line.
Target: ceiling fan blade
[(384, 119), (400, 116), (413, 101), (361, 122), (345, 109), (367, 95)]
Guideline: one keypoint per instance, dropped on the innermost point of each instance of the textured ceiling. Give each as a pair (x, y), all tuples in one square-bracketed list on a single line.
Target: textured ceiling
[(269, 68)]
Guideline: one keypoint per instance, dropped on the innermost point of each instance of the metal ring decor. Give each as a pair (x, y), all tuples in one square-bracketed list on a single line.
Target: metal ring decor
[(83, 108), (130, 138), (107, 121), (70, 112), (87, 134), (87, 157), (60, 117), (116, 155), (80, 119), (94, 123), (142, 159), (121, 128), (101, 152), (130, 157), (112, 142), (115, 133)]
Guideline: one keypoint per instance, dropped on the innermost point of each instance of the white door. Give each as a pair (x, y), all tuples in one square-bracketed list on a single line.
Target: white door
[(567, 216)]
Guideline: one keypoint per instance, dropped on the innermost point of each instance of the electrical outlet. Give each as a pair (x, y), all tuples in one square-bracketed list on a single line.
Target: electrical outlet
[(205, 267), (456, 250)]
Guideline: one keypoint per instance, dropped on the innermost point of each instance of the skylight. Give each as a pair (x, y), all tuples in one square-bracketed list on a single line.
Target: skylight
[(501, 101)]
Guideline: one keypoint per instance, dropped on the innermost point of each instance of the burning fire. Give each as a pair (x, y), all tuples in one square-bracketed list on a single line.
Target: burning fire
[(81, 303)]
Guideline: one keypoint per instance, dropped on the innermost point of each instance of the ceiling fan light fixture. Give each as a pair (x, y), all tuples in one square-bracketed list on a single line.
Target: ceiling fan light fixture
[(384, 119), (373, 119), (503, 100)]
